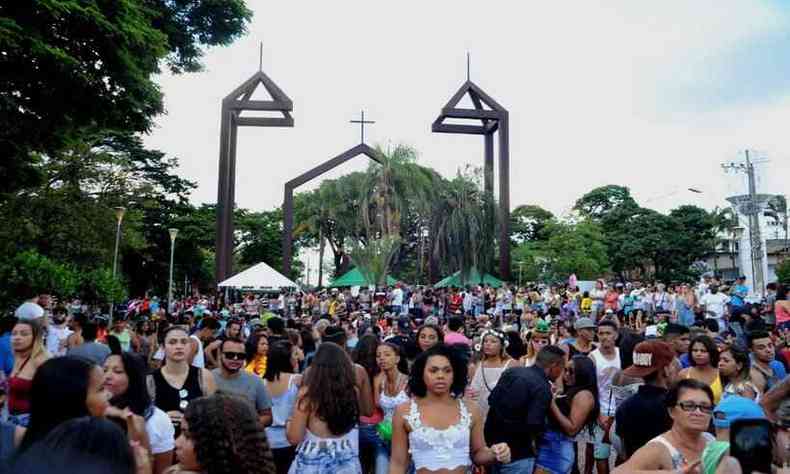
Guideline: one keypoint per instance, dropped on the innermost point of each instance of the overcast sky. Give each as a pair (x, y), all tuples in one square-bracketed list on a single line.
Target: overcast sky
[(651, 95)]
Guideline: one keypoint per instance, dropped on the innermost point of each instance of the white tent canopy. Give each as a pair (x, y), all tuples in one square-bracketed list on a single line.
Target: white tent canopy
[(258, 277)]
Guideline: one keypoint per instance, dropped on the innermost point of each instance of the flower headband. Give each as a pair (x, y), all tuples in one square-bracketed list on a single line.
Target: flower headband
[(492, 332)]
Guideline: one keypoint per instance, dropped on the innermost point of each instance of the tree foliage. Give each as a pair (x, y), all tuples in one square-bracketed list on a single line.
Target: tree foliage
[(568, 248), (783, 271), (527, 223), (644, 243), (71, 67)]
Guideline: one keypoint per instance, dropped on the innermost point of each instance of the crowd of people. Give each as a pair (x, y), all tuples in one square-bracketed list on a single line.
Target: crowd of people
[(623, 377)]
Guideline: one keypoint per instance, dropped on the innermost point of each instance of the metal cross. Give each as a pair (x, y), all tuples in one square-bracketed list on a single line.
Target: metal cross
[(362, 123)]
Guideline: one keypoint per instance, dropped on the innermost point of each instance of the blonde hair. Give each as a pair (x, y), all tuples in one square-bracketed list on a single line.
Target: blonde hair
[(38, 348)]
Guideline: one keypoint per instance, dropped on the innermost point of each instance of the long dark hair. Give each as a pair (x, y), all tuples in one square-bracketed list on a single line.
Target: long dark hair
[(364, 354), (227, 436), (278, 360), (740, 356), (251, 346), (403, 364), (710, 347), (330, 389), (136, 397), (59, 393), (86, 445), (585, 379)]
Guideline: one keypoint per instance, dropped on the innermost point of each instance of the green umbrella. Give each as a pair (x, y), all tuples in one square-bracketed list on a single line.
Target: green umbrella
[(473, 278), (355, 278)]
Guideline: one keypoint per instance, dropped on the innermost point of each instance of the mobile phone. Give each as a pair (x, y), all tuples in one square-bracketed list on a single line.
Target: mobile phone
[(750, 444)]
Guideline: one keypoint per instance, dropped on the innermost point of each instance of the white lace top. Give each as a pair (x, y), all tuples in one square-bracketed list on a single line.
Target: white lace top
[(434, 449)]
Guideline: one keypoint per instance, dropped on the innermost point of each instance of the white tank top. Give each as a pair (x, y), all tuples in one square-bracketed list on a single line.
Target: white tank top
[(605, 370), (199, 360)]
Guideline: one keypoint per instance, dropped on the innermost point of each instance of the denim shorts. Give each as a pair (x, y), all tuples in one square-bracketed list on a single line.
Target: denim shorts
[(321, 457), (556, 454)]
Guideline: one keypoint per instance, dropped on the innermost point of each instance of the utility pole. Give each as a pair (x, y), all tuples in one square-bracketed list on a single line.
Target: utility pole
[(752, 210), (320, 255)]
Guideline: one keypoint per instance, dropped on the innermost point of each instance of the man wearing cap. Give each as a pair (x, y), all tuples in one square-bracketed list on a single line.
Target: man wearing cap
[(643, 416), (585, 333)]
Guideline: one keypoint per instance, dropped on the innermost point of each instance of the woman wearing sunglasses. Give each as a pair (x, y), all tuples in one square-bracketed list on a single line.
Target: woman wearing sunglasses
[(178, 382), (537, 339), (690, 405)]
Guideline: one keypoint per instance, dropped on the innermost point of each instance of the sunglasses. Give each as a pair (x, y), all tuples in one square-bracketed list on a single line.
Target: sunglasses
[(234, 355), (690, 407)]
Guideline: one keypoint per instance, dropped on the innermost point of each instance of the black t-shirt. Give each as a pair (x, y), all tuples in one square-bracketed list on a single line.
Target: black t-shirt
[(518, 405), (642, 417)]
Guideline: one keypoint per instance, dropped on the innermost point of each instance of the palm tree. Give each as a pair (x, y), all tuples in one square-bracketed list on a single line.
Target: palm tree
[(397, 192), (463, 226)]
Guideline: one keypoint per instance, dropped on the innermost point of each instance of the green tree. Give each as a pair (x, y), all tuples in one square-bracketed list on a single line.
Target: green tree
[(71, 66), (527, 223), (463, 228), (569, 248), (374, 258), (600, 202), (29, 273), (783, 271)]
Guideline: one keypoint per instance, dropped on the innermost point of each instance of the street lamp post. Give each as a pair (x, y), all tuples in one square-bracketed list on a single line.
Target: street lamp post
[(119, 212), (173, 235)]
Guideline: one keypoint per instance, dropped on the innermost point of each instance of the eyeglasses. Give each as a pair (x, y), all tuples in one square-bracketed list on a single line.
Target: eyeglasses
[(690, 407), (234, 355)]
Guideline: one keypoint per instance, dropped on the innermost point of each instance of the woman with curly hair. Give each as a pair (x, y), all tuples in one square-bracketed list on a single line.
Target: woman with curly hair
[(325, 417), (441, 431), (221, 434), (428, 336)]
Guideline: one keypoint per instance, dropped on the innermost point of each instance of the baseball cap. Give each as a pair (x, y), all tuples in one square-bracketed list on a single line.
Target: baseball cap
[(584, 323), (29, 311), (650, 356), (736, 407)]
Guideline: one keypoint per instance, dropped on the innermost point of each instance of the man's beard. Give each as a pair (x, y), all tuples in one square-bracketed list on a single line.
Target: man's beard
[(232, 371)]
